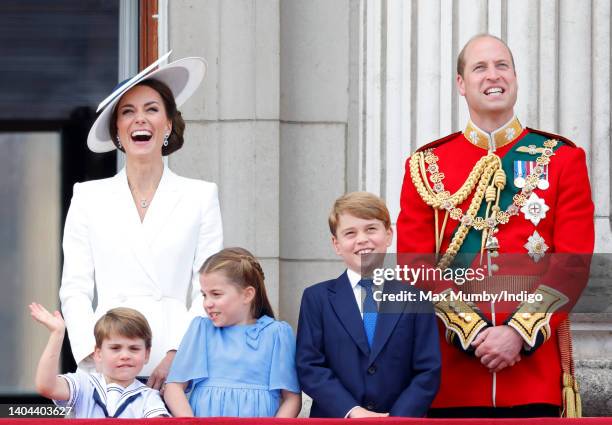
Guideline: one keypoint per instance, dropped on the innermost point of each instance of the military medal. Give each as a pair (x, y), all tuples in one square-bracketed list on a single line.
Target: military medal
[(536, 246), (543, 181), (534, 209), (524, 168), (520, 172)]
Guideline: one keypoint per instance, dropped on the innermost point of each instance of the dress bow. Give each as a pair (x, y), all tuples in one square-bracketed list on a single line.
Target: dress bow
[(252, 333)]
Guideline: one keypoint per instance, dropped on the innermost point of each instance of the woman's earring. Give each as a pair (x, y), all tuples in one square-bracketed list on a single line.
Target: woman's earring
[(119, 143), (166, 136)]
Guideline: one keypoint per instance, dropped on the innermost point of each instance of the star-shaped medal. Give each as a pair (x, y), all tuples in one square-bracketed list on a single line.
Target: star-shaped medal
[(536, 246), (534, 209)]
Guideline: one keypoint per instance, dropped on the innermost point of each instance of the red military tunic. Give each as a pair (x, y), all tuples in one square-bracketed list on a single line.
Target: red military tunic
[(567, 227)]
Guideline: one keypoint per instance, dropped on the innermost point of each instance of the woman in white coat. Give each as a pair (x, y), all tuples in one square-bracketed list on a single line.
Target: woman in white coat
[(138, 239)]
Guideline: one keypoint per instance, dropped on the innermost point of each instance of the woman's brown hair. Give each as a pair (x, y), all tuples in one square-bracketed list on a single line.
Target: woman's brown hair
[(243, 269), (175, 140)]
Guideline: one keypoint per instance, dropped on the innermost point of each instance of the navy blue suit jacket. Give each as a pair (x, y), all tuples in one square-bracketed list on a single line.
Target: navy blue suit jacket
[(400, 374)]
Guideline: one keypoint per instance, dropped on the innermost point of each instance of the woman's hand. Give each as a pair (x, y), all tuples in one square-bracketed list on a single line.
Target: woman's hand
[(160, 373)]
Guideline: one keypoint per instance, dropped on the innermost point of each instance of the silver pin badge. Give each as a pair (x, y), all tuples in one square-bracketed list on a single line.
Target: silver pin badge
[(534, 209)]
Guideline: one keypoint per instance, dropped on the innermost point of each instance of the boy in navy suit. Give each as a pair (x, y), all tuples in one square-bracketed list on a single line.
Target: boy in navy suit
[(357, 357)]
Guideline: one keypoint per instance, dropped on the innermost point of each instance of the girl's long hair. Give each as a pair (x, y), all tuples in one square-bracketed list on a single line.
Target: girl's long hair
[(243, 269)]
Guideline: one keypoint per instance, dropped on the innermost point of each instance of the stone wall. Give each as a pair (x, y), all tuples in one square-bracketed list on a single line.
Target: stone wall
[(305, 100)]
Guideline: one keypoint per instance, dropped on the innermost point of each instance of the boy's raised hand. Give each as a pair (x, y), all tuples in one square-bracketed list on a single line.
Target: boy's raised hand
[(48, 384), (53, 322)]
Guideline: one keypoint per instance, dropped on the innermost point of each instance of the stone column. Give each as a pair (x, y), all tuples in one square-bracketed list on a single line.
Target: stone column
[(232, 121), (314, 99)]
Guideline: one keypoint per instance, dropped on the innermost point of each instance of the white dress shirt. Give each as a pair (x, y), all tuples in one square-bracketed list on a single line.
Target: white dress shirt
[(354, 279)]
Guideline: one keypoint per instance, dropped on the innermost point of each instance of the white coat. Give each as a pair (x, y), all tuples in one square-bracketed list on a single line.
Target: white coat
[(150, 266)]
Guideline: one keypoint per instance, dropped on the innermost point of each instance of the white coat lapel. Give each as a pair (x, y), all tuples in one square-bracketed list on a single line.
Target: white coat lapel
[(134, 229), (162, 206)]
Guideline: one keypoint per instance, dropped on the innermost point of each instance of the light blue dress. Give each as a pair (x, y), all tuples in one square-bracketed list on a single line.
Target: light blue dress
[(236, 370)]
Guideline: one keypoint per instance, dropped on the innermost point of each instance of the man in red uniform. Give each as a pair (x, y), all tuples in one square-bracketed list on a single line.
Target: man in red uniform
[(498, 188)]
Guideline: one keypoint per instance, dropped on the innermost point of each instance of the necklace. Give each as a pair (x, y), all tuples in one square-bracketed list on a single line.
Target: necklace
[(144, 202)]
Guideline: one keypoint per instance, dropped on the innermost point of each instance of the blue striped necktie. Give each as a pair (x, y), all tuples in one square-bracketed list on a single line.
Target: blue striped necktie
[(370, 313)]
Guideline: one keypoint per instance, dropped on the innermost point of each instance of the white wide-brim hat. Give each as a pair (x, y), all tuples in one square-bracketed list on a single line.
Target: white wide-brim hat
[(182, 77)]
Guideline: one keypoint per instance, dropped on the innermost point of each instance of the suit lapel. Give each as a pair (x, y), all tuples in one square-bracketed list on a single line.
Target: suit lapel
[(388, 315), (342, 299), (133, 228), (163, 204)]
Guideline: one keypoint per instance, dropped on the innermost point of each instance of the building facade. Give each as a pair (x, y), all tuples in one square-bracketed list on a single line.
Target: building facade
[(306, 100)]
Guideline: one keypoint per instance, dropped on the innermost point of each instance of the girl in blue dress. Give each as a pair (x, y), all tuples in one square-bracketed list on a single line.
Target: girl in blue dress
[(238, 361)]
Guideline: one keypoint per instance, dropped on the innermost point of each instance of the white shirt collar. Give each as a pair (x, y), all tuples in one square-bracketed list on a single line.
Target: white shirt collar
[(101, 387), (353, 277)]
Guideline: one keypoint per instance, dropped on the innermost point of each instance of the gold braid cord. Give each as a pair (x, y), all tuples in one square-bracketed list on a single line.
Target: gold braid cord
[(479, 178), (487, 180), (458, 317), (417, 173)]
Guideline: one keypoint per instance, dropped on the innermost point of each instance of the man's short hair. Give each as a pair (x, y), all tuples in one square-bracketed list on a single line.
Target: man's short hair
[(123, 321), (461, 57), (363, 205)]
